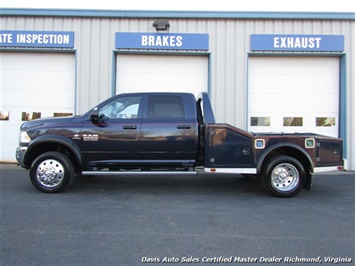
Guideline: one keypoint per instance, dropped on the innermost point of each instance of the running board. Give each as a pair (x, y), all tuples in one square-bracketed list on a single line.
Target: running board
[(186, 173)]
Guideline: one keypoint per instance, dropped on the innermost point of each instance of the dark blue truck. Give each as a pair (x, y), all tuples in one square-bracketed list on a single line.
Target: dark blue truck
[(168, 133)]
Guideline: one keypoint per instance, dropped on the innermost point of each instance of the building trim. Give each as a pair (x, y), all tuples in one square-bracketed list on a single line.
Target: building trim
[(343, 105), (174, 14), (37, 50)]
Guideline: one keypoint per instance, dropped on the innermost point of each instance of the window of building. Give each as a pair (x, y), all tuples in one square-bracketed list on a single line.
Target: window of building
[(293, 122), (62, 114), (4, 116), (325, 121), (28, 116), (260, 121)]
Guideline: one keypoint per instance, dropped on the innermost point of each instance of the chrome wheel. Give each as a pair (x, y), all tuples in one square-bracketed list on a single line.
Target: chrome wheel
[(50, 173), (285, 177)]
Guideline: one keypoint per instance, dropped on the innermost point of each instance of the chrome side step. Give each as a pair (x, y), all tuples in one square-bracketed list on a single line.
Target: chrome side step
[(182, 173)]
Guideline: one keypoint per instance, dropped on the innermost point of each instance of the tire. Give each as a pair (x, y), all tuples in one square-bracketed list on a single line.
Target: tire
[(51, 172), (283, 176)]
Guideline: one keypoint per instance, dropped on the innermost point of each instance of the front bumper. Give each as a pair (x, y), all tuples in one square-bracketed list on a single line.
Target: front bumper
[(20, 155)]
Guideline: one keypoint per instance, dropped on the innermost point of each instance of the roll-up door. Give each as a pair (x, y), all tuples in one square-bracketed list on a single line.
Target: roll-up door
[(294, 94), (161, 73), (33, 85)]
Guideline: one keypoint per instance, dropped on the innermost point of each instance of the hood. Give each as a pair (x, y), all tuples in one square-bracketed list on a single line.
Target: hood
[(48, 120)]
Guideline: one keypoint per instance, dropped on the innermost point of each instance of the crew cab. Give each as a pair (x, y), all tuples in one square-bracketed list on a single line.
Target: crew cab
[(165, 134)]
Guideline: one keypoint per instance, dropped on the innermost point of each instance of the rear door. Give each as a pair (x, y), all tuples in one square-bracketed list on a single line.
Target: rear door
[(169, 132)]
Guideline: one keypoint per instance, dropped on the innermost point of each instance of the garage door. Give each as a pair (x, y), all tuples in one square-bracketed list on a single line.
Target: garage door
[(294, 94), (161, 73), (33, 85)]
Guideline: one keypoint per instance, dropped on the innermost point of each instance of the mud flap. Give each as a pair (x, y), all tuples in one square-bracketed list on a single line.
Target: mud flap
[(308, 184)]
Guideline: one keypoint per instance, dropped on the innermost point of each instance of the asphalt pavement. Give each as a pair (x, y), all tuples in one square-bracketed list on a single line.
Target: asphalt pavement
[(162, 220)]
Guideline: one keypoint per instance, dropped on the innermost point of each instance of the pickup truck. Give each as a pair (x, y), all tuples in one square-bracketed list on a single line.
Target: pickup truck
[(168, 133)]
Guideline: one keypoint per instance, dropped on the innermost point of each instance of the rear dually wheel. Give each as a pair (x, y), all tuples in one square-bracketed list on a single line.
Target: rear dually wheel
[(283, 176)]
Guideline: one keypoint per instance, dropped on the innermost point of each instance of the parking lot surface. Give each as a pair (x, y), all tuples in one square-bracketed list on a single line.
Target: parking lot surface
[(200, 220)]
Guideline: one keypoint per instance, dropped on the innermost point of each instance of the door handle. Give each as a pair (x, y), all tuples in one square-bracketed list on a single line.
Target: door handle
[(129, 127), (183, 127)]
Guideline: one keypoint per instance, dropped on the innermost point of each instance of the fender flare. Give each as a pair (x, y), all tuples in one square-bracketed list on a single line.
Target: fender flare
[(65, 141), (282, 145)]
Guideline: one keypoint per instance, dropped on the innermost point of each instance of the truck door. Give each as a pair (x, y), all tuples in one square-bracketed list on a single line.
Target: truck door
[(169, 132), (114, 136)]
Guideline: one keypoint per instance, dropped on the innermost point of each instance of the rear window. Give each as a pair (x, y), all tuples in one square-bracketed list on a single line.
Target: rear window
[(166, 107)]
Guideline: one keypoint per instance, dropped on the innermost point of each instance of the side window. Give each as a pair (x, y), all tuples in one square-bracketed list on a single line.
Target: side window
[(121, 108), (166, 107)]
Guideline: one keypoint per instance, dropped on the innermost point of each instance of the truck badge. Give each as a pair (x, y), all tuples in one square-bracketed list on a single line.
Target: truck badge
[(90, 137)]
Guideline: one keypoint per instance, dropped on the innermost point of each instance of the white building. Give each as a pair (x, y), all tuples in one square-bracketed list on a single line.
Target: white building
[(264, 71)]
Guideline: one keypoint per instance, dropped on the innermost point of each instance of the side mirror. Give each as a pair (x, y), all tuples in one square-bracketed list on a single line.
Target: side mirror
[(94, 116)]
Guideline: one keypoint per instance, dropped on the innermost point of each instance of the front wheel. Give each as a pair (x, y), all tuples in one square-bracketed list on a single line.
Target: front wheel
[(51, 172), (283, 176)]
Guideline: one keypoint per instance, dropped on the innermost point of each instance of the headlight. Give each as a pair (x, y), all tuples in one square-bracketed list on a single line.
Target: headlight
[(23, 137)]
